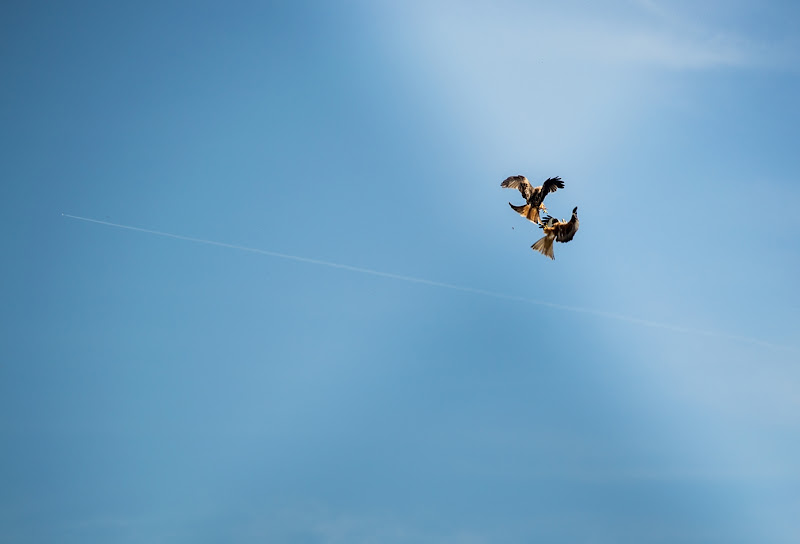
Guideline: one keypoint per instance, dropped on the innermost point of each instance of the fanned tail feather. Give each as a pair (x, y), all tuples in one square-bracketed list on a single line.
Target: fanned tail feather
[(544, 245), (531, 213)]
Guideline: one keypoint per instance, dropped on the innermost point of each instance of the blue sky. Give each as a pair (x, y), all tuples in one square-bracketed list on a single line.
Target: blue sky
[(154, 389)]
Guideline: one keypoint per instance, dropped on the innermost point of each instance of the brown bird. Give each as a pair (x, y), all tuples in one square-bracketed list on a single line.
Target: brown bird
[(558, 231), (534, 196)]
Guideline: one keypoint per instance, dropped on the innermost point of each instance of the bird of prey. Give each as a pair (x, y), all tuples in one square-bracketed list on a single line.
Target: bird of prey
[(558, 231), (534, 196)]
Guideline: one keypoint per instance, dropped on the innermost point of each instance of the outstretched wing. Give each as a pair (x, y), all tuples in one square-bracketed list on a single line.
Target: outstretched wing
[(551, 185), (521, 183), (566, 231)]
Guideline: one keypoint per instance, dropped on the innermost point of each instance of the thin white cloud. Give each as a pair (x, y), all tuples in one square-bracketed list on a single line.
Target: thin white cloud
[(642, 33), (525, 79), (647, 48)]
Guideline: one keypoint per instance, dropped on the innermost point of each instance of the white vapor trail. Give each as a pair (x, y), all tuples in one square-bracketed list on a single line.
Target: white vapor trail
[(432, 283)]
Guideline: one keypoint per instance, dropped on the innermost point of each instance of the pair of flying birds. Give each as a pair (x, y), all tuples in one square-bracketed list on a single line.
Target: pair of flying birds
[(554, 230)]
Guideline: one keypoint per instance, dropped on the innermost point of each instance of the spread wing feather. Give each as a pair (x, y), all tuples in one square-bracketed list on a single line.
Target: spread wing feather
[(551, 185), (521, 183)]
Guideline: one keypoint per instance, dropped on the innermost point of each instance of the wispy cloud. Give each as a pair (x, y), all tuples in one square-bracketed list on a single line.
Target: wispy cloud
[(642, 33), (315, 522), (523, 77), (642, 47)]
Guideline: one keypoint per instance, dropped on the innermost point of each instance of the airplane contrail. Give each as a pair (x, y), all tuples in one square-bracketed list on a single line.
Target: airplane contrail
[(443, 285)]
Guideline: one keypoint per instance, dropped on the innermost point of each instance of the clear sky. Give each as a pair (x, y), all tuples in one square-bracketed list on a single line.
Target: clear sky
[(159, 390)]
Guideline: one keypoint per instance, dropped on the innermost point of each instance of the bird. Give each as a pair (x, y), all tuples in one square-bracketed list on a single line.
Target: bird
[(558, 231), (534, 196)]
